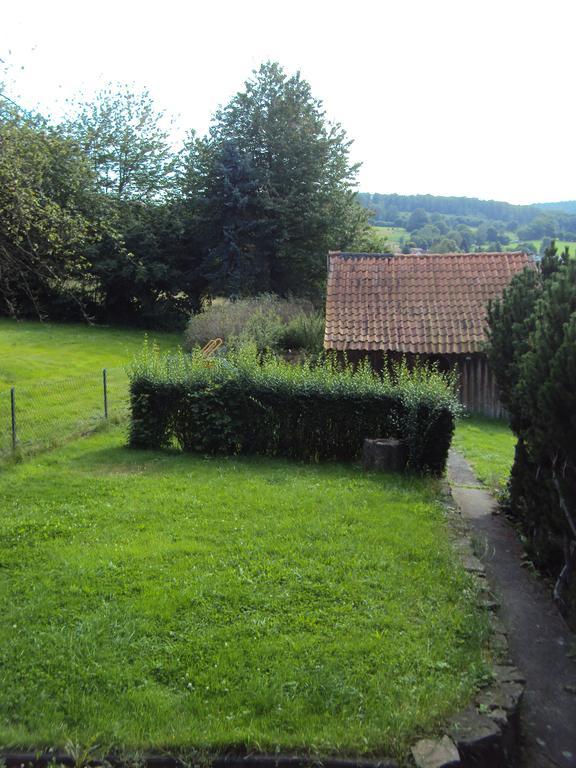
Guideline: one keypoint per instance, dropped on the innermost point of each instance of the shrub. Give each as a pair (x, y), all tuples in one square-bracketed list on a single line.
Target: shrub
[(306, 332), (248, 404), (264, 328), (261, 318), (533, 352)]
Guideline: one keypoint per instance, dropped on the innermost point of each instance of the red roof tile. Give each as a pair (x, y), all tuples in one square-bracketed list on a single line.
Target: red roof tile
[(431, 303)]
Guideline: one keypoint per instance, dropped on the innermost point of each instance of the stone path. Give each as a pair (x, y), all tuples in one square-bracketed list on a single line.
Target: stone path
[(541, 644)]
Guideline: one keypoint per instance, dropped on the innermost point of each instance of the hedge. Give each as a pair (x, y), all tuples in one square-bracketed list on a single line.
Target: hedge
[(316, 411), (532, 351)]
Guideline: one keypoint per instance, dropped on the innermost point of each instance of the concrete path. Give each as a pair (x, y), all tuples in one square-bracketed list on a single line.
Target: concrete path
[(541, 645)]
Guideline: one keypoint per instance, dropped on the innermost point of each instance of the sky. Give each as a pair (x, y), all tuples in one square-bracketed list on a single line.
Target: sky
[(446, 97)]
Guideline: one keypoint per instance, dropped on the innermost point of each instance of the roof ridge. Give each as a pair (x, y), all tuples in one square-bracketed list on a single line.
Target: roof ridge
[(361, 254)]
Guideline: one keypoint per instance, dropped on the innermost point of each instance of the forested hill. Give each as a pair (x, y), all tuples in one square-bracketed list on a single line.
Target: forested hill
[(441, 224), (565, 206), (386, 207)]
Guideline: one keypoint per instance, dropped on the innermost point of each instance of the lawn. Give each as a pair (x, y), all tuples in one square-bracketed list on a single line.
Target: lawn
[(488, 444), (391, 234), (32, 351), (154, 600), (56, 370)]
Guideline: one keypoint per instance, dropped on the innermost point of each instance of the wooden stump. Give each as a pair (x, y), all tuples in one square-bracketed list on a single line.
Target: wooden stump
[(388, 454)]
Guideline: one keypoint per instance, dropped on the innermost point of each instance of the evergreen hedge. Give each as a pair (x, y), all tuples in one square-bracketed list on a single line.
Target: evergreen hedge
[(532, 333), (247, 403)]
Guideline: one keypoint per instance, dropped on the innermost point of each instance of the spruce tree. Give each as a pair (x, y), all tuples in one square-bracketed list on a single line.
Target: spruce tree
[(305, 180), (510, 322), (533, 351), (236, 261)]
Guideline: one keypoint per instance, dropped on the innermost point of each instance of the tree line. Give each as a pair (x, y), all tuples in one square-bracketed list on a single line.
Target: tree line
[(102, 218), (459, 223)]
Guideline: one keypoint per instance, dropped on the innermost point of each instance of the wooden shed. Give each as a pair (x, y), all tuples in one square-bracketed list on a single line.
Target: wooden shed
[(432, 306)]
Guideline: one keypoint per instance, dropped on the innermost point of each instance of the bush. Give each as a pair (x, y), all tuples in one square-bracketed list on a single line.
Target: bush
[(533, 354), (306, 332), (261, 319), (249, 404), (264, 328)]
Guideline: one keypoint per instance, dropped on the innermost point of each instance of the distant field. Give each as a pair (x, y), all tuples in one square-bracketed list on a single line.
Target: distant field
[(537, 244), (391, 234)]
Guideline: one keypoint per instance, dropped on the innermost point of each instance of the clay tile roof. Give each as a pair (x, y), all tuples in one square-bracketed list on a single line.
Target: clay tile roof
[(431, 303)]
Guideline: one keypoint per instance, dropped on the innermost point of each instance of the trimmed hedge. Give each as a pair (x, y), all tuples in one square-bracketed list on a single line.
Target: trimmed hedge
[(310, 412)]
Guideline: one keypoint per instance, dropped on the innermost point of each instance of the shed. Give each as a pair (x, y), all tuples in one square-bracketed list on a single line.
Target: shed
[(431, 306)]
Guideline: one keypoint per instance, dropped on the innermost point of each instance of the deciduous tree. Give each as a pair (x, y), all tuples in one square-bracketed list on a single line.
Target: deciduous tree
[(49, 217), (121, 132)]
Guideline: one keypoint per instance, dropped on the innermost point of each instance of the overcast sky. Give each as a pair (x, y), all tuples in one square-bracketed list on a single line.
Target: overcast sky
[(448, 97)]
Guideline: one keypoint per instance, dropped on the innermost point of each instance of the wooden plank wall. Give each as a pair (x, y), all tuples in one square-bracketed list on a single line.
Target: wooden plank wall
[(478, 390)]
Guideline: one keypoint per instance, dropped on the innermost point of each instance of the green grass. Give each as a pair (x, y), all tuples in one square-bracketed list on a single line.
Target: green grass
[(488, 444), (31, 351), (154, 600), (537, 244), (391, 234), (56, 370)]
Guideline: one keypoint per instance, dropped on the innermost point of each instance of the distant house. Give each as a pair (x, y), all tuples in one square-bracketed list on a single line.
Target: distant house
[(432, 306)]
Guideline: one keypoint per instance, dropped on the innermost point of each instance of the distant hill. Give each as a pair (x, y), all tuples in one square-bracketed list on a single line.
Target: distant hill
[(492, 210), (460, 223), (564, 206)]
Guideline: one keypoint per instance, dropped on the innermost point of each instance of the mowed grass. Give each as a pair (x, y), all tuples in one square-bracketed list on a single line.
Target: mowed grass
[(391, 234), (31, 351), (56, 370), (154, 600), (488, 444)]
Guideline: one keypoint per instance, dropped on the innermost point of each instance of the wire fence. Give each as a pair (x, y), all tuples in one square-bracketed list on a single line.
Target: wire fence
[(39, 415)]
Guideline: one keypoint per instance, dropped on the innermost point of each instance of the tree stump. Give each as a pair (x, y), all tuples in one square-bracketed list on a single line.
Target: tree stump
[(387, 454)]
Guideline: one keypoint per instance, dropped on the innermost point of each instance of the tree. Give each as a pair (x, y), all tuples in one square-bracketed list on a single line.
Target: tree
[(445, 245), (510, 323), (121, 133), (426, 236), (492, 234), (303, 178), (481, 234), (238, 230), (148, 273), (49, 217), (533, 353), (465, 238), (417, 220), (545, 419)]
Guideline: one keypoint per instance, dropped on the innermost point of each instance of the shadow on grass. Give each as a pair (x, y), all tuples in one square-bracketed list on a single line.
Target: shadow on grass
[(121, 459)]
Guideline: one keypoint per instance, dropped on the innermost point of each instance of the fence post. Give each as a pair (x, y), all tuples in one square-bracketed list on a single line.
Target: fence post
[(13, 414), (105, 388)]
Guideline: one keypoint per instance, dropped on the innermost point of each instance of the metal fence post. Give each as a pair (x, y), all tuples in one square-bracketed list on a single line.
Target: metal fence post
[(105, 387), (13, 414)]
